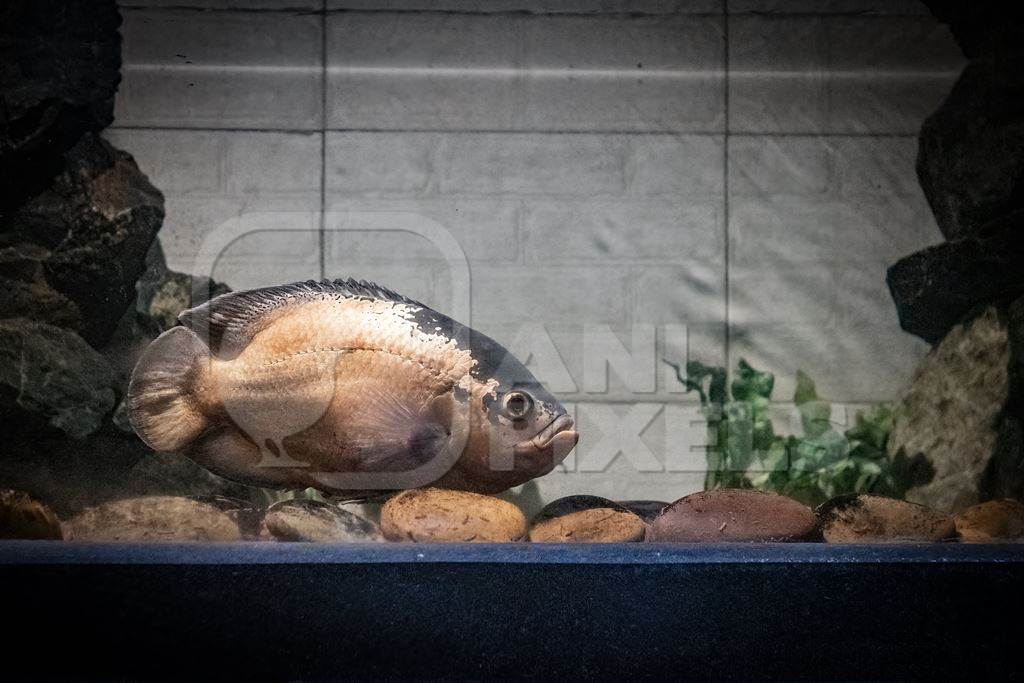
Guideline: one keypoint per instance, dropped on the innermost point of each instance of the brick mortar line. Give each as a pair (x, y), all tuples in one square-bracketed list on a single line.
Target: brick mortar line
[(499, 131), (310, 10), (663, 200), (209, 129), (324, 11), (323, 142), (727, 332)]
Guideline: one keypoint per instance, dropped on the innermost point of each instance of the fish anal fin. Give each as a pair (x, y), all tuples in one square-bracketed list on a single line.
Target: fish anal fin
[(227, 452)]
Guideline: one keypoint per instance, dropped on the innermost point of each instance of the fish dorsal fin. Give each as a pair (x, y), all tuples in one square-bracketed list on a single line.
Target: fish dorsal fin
[(363, 289), (230, 321)]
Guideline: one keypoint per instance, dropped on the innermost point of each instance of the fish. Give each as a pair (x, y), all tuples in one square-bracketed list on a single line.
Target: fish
[(346, 387)]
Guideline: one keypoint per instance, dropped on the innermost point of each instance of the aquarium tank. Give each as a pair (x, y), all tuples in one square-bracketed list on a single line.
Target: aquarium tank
[(631, 277)]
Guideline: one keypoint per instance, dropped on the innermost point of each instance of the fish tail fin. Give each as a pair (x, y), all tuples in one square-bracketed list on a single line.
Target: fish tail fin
[(161, 406)]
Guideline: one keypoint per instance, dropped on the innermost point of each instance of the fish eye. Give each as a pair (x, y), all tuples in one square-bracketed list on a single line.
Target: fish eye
[(517, 405)]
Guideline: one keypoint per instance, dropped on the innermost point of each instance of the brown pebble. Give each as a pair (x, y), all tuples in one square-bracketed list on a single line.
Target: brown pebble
[(875, 519), (318, 522), (450, 516), (24, 517), (153, 518), (995, 521), (733, 515), (586, 519)]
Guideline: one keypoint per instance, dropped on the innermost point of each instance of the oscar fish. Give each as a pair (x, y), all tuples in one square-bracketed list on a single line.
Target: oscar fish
[(346, 387)]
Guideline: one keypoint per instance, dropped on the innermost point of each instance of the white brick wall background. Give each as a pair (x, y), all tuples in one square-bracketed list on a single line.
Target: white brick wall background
[(730, 181)]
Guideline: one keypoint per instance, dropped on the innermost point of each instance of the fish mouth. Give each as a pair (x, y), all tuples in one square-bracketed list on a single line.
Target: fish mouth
[(556, 439), (559, 424)]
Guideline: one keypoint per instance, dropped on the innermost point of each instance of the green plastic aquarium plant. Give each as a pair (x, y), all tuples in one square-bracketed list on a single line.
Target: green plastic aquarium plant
[(744, 450)]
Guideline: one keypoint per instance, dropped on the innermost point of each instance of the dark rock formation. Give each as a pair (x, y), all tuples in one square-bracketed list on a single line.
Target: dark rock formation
[(964, 413), (971, 152), (1004, 476), (81, 244), (50, 376), (76, 215), (25, 293), (937, 287), (971, 167), (59, 69), (982, 30), (44, 452), (83, 284)]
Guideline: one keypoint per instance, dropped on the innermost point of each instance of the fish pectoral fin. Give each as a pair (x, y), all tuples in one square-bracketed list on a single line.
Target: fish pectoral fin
[(451, 414), (441, 409), (392, 436), (384, 417), (404, 454)]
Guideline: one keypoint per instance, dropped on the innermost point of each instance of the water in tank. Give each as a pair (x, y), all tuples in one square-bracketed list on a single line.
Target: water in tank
[(541, 271)]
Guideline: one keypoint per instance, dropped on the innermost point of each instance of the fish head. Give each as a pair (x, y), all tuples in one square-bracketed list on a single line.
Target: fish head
[(539, 427), (529, 430)]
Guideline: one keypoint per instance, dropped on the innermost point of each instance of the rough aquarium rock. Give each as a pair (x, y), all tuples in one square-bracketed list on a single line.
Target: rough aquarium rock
[(318, 522), (441, 515), (950, 411), (994, 521), (80, 245), (874, 519), (24, 517), (61, 69), (153, 518), (51, 374), (728, 515), (586, 519)]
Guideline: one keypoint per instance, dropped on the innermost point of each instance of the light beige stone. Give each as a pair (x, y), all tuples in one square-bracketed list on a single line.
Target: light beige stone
[(153, 518), (949, 412), (994, 521), (596, 525), (874, 519), (441, 515)]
